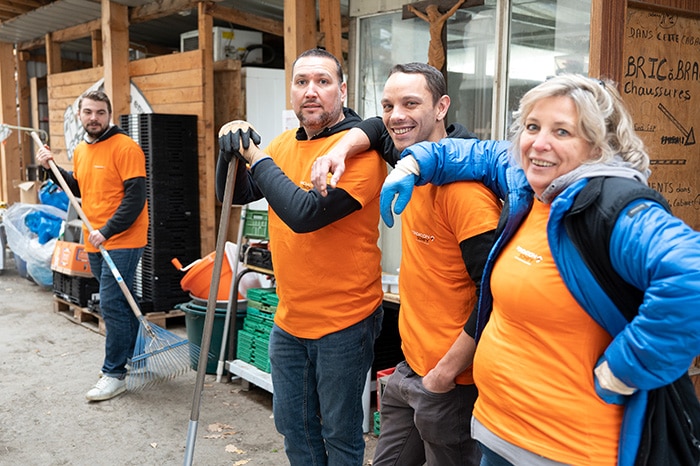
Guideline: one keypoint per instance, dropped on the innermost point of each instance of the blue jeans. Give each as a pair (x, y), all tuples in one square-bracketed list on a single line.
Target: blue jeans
[(491, 458), (317, 396), (121, 325), (420, 427)]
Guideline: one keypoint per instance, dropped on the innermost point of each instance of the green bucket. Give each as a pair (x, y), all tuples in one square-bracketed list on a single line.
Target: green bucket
[(195, 315)]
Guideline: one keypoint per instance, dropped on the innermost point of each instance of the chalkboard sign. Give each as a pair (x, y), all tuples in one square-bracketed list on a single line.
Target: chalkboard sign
[(661, 86)]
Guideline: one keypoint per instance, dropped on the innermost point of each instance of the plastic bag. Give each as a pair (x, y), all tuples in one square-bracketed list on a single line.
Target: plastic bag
[(26, 245), (46, 226), (51, 194)]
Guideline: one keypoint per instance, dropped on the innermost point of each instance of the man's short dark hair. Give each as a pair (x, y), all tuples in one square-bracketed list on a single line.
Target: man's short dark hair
[(434, 79), (319, 52), (97, 96)]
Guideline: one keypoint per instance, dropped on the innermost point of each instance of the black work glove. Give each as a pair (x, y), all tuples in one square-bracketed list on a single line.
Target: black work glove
[(234, 135)]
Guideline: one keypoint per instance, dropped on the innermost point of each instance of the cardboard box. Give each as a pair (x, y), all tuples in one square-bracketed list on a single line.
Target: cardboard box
[(70, 259), (29, 192)]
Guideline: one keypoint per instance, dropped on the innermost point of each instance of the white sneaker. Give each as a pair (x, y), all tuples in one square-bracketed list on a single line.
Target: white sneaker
[(106, 388)]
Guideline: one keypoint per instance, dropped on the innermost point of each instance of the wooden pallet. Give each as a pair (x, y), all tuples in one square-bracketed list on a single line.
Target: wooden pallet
[(163, 318), (93, 320), (79, 315)]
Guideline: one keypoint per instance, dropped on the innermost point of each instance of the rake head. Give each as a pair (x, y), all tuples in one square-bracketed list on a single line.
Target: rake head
[(159, 356)]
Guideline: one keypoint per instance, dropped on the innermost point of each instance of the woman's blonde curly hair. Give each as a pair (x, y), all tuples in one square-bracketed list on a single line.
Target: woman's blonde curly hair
[(604, 120)]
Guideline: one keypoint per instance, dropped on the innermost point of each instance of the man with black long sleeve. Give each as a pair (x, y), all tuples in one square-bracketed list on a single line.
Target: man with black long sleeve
[(326, 262)]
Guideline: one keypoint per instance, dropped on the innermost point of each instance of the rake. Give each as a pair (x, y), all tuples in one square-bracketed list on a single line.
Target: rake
[(159, 355)]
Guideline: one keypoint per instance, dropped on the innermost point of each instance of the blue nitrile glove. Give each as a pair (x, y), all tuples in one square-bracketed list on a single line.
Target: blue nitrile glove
[(400, 182), (234, 135), (608, 387)]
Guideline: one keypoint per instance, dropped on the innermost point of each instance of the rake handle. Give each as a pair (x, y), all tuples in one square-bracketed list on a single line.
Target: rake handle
[(108, 259)]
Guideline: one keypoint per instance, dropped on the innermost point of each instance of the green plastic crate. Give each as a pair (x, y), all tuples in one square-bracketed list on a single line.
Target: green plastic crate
[(252, 348), (259, 321), (256, 224), (263, 314), (263, 365), (262, 297), (257, 328)]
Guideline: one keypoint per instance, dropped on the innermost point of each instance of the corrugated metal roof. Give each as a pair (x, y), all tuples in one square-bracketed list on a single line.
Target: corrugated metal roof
[(55, 16)]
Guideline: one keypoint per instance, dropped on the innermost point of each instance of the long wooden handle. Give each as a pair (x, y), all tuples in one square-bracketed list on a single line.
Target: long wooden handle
[(108, 259)]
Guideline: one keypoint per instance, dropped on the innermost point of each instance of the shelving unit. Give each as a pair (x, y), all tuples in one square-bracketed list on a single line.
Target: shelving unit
[(254, 226), (387, 347), (249, 373)]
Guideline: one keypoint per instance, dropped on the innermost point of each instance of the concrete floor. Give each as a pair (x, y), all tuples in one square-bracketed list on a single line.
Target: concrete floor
[(48, 363)]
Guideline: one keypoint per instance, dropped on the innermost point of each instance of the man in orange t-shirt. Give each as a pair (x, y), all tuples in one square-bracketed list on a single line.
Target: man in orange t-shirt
[(447, 232), (110, 178), (326, 262)]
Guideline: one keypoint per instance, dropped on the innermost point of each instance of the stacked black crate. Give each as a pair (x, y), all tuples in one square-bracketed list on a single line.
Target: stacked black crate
[(172, 190)]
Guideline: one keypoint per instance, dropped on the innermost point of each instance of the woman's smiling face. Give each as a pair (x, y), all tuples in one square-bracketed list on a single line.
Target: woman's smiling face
[(550, 145)]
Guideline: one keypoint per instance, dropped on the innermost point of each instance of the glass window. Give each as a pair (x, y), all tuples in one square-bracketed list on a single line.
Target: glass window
[(387, 39), (546, 38)]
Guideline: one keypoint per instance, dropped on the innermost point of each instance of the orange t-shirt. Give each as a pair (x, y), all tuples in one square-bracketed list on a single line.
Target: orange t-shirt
[(328, 279), (437, 294), (534, 362), (101, 170)]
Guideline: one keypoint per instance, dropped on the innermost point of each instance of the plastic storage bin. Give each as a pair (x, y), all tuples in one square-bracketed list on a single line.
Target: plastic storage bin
[(256, 224), (194, 324)]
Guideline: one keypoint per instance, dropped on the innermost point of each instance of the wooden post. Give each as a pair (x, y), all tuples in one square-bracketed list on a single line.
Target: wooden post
[(25, 143), (53, 55), (96, 42), (208, 134), (115, 51), (331, 27), (10, 164), (299, 33), (606, 38)]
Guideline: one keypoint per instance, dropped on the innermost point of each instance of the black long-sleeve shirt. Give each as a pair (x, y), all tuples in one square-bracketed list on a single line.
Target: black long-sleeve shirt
[(303, 211)]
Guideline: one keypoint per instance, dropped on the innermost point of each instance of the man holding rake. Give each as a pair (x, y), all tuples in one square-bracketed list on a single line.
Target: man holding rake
[(110, 177)]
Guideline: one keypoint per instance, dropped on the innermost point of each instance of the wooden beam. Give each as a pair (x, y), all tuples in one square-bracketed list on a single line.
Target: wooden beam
[(330, 26), (257, 22), (10, 163), (77, 32), (115, 50), (160, 9), (32, 44), (607, 39), (299, 33)]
